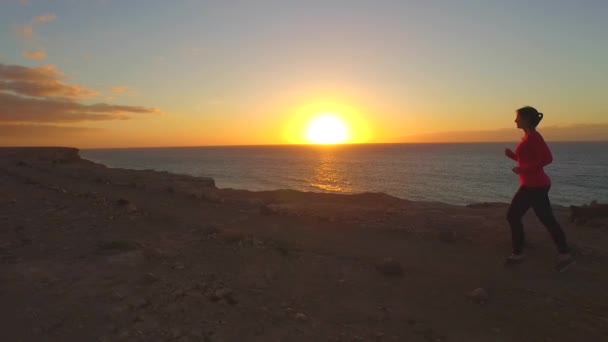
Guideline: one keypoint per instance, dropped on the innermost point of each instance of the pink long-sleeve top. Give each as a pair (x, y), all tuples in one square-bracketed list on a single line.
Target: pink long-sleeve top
[(532, 155)]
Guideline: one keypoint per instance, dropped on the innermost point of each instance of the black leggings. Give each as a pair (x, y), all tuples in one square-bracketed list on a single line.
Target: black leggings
[(537, 198)]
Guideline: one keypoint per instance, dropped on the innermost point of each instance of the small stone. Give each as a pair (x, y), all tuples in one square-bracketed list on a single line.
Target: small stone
[(479, 295), (178, 266), (379, 335), (140, 303), (267, 210), (123, 202), (390, 267), (230, 299), (149, 278), (447, 235), (131, 208), (223, 293), (301, 317), (210, 195), (586, 251), (210, 229)]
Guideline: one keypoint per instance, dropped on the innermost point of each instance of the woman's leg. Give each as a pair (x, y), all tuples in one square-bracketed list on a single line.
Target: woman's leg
[(518, 208), (542, 208)]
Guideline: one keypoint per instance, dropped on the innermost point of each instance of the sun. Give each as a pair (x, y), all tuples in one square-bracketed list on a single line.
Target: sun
[(325, 122), (327, 129)]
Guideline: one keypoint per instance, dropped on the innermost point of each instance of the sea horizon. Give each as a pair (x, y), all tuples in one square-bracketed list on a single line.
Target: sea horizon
[(444, 172), (329, 145)]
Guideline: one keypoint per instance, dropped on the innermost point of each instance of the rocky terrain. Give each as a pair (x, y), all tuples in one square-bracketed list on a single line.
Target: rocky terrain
[(90, 253)]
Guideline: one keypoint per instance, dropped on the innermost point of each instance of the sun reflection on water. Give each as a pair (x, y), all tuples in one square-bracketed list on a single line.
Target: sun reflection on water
[(328, 175)]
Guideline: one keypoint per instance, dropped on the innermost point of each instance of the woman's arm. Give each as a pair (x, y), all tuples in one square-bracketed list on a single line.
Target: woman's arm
[(511, 155)]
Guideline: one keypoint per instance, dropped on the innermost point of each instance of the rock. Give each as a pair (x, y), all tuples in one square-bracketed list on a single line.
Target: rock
[(210, 195), (128, 205), (593, 210), (123, 202), (479, 295), (301, 317), (267, 210), (149, 278), (230, 299), (139, 304), (178, 266), (131, 208), (225, 294), (390, 267), (447, 235), (178, 293), (210, 229)]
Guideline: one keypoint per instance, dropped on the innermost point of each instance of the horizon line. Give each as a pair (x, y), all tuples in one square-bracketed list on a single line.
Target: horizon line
[(327, 145)]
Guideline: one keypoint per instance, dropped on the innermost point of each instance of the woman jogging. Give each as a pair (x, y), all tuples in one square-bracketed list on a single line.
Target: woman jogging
[(531, 155)]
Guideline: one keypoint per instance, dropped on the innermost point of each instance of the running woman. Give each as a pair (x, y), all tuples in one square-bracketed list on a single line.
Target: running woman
[(532, 155)]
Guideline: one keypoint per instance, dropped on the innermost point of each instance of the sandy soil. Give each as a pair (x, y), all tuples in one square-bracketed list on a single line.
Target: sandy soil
[(89, 253)]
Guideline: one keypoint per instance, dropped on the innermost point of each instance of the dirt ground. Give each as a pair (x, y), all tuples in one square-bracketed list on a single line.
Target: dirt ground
[(89, 253)]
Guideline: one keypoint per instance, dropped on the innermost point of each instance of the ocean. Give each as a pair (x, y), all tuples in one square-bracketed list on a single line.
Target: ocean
[(450, 173)]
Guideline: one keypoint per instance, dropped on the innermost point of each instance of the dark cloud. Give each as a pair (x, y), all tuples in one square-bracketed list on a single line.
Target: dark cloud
[(43, 81), (47, 89), (39, 95), (21, 73), (14, 108)]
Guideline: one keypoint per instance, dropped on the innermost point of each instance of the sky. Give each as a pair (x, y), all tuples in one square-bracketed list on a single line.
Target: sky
[(109, 73)]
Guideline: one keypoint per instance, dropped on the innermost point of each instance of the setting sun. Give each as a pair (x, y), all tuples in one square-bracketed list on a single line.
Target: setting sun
[(327, 129), (326, 123)]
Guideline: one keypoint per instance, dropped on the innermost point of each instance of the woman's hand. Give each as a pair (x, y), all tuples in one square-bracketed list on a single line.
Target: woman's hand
[(516, 170), (510, 154)]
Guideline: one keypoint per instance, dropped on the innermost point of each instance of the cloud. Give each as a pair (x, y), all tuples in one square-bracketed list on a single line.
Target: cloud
[(24, 2), (21, 73), (38, 95), (47, 18), (47, 89), (15, 109), (118, 89), (43, 81), (34, 54), (27, 30)]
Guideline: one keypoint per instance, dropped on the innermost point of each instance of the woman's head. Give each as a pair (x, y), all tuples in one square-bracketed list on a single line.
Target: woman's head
[(528, 117)]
